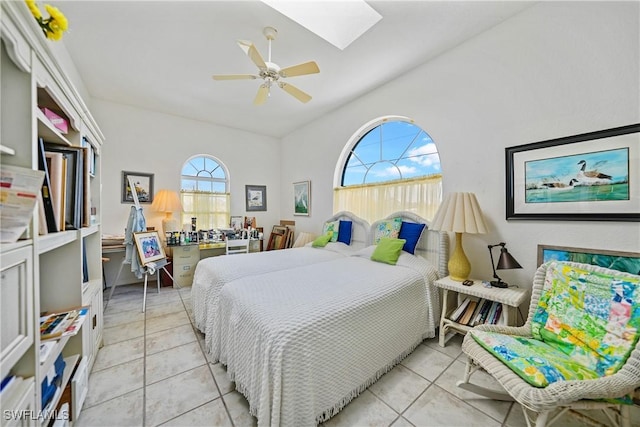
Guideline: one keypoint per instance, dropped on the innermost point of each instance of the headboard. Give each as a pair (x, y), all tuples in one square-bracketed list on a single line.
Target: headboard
[(360, 230), (433, 245)]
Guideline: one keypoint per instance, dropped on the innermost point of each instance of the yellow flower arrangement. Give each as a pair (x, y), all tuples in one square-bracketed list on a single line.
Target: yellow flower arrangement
[(54, 25)]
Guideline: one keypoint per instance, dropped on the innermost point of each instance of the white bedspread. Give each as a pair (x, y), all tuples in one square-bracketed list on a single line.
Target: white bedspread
[(301, 343), (213, 273)]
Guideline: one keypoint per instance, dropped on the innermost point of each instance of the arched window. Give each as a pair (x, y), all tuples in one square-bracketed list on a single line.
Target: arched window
[(204, 190), (389, 165)]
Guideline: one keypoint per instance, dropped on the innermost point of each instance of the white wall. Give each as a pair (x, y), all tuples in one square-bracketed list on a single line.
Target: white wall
[(145, 141), (556, 69)]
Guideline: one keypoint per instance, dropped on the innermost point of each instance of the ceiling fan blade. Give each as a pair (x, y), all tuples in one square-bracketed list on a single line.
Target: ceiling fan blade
[(234, 77), (253, 54), (295, 92), (300, 70), (261, 96)]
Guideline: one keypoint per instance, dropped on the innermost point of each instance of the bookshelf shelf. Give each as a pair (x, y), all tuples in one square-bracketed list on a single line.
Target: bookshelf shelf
[(453, 291), (7, 150), (48, 131), (52, 241)]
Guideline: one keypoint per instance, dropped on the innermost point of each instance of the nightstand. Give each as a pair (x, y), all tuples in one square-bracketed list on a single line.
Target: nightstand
[(510, 298)]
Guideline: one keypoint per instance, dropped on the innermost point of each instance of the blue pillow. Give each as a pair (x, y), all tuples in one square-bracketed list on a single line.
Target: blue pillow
[(410, 232), (344, 232)]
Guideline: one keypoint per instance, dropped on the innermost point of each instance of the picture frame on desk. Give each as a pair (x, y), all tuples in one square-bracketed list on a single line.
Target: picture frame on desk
[(144, 187), (149, 246), (586, 177)]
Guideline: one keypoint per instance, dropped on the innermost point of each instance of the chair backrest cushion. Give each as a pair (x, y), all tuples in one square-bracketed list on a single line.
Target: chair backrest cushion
[(589, 313)]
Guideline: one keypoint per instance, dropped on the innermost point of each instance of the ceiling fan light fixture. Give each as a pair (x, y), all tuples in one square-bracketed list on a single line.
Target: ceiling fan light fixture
[(271, 72)]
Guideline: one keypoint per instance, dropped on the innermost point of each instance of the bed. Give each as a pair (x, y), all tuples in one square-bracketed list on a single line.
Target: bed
[(301, 343), (213, 273)]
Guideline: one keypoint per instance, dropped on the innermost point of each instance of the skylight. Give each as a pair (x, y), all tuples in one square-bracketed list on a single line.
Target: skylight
[(338, 22)]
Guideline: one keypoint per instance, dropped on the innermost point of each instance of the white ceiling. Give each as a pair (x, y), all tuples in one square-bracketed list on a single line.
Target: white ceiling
[(161, 55)]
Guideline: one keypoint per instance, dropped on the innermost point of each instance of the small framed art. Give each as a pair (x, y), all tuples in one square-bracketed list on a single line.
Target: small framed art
[(256, 198), (148, 246), (143, 183), (302, 198)]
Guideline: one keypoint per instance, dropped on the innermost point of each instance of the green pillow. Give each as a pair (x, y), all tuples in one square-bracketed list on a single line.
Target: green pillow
[(388, 250), (322, 241)]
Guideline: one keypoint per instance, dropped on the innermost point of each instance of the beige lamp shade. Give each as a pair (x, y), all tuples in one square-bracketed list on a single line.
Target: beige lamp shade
[(167, 201), (460, 213)]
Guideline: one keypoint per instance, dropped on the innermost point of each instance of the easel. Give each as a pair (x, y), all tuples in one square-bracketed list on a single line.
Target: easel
[(150, 268)]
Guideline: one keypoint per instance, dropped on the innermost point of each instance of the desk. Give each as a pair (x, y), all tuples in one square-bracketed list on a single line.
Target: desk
[(186, 257)]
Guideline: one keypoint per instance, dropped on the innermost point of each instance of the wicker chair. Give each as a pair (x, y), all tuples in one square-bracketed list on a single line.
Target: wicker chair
[(548, 404)]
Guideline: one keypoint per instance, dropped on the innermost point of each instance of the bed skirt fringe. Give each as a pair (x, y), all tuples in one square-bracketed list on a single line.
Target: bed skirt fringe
[(327, 414)]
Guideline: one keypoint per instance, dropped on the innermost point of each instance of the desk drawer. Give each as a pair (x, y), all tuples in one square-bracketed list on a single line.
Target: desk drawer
[(183, 255), (183, 275)]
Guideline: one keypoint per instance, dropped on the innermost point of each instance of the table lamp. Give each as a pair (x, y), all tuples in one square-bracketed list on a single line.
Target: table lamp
[(167, 201), (505, 262), (460, 213)]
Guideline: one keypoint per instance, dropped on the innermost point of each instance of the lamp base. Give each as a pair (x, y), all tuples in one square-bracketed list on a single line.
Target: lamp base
[(459, 265), (169, 224), (499, 284)]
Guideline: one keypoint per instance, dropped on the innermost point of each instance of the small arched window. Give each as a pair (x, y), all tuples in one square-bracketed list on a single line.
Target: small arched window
[(389, 165), (204, 190)]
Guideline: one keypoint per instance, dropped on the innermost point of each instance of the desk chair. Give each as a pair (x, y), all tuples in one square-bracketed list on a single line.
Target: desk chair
[(237, 246)]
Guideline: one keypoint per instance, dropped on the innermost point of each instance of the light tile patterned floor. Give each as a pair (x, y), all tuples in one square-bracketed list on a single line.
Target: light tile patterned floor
[(153, 371)]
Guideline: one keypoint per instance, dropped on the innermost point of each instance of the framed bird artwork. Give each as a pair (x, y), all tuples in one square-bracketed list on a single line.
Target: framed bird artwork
[(591, 176)]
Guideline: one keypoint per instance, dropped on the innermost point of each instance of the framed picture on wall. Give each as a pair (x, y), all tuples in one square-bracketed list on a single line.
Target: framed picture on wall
[(590, 176), (302, 198), (236, 222), (617, 260), (256, 198), (143, 183)]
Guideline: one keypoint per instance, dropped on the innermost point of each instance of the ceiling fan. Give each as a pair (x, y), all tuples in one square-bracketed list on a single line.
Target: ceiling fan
[(270, 72)]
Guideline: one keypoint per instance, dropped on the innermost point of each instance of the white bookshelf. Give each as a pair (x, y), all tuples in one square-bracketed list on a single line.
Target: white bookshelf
[(44, 273), (454, 293)]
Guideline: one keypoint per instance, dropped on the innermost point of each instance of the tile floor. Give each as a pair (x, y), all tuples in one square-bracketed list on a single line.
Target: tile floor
[(153, 371)]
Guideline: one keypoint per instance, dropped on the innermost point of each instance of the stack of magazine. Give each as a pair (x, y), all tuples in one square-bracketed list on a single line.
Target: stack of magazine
[(56, 325)]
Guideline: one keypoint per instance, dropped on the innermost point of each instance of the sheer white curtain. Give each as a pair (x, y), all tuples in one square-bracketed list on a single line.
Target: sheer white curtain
[(210, 209), (372, 202)]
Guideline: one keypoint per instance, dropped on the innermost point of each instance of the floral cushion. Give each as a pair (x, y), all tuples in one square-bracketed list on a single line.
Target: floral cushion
[(331, 227), (585, 326), (389, 229), (592, 317), (534, 361)]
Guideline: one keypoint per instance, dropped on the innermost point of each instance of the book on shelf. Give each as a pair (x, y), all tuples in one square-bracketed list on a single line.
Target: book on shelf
[(52, 225), (56, 325), (484, 312), (55, 166), (460, 310), (42, 216), (74, 183), (496, 314), (468, 312), (85, 265), (476, 313)]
